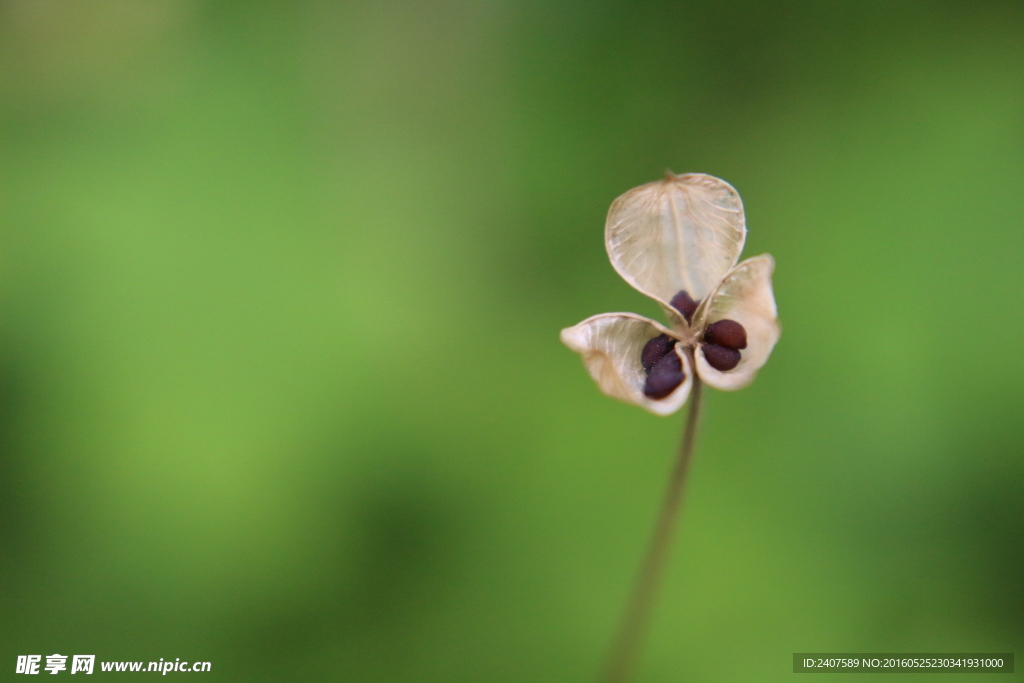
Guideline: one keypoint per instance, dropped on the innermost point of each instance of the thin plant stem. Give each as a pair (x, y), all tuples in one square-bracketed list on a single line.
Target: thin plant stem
[(636, 619)]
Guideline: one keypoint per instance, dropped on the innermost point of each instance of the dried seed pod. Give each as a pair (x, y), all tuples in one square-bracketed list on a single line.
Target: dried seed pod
[(745, 295), (685, 304), (666, 375), (611, 345), (727, 333), (719, 357), (655, 350), (678, 241)]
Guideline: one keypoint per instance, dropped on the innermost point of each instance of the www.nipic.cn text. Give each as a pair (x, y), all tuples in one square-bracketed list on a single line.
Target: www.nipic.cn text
[(86, 664)]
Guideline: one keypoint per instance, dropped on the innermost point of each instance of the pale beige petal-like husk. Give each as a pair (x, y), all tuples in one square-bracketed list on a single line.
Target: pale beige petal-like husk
[(683, 232), (611, 344), (745, 296)]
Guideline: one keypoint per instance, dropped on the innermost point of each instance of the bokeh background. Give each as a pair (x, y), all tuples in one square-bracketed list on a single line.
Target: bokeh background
[(281, 286)]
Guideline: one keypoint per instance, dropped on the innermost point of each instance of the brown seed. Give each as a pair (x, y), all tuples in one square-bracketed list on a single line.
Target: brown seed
[(719, 357), (727, 333), (666, 375), (655, 350), (685, 304)]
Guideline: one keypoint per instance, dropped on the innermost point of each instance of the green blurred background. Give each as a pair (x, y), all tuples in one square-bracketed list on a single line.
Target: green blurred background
[(280, 379)]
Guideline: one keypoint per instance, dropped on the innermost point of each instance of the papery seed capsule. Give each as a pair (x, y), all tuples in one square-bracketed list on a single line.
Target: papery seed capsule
[(666, 375), (727, 333), (719, 357), (685, 304), (655, 350)]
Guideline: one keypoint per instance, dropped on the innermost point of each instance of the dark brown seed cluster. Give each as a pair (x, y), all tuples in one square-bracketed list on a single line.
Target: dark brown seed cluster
[(663, 367), (685, 304), (723, 340)]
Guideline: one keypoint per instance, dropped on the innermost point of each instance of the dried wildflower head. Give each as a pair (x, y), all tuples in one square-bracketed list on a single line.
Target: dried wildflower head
[(677, 240)]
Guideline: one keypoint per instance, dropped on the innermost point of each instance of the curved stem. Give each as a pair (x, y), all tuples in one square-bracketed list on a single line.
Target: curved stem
[(637, 617)]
